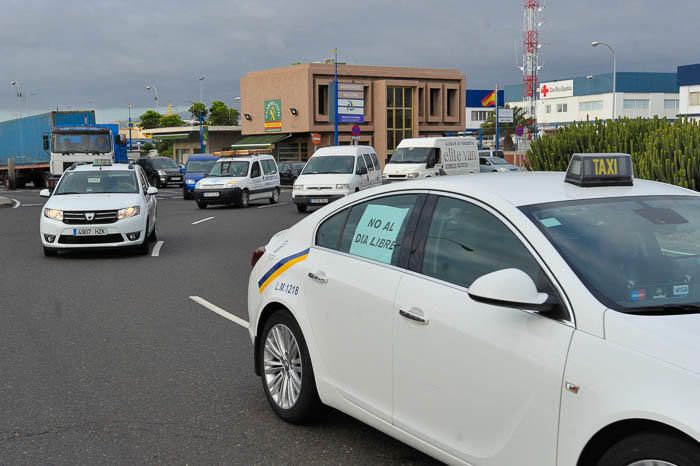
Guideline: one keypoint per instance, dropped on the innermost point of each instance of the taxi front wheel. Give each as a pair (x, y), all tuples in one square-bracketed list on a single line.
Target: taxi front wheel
[(287, 373), (652, 449)]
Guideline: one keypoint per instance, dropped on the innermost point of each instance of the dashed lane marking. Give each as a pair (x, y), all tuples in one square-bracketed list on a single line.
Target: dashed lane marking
[(156, 249), (272, 205), (203, 220), (221, 312)]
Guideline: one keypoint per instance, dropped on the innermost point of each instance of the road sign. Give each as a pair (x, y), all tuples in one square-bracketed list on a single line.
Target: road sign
[(356, 131), (131, 125), (505, 115), (315, 139), (519, 130)]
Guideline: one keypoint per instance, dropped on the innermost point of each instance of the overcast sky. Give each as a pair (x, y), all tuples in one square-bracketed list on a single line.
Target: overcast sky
[(71, 52)]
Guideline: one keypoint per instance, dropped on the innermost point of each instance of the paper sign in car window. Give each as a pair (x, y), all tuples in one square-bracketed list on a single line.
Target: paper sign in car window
[(375, 235), (94, 180)]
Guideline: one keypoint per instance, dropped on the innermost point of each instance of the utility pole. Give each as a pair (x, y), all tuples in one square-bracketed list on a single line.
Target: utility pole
[(498, 132), (335, 98), (130, 125)]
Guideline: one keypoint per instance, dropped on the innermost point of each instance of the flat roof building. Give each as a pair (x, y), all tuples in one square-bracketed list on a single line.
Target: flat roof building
[(186, 139), (689, 91), (281, 108)]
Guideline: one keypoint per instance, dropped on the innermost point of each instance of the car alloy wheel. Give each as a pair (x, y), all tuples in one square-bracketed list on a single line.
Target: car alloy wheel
[(282, 366)]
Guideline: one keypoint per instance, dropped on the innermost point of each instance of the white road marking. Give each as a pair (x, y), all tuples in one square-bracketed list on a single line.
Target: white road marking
[(17, 203), (203, 220), (156, 249), (272, 205), (221, 312), (31, 205)]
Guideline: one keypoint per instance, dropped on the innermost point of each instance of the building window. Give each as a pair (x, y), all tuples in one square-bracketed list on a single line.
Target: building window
[(562, 108), (480, 115), (421, 101), (323, 99), (591, 105), (548, 108), (435, 103), (452, 103), (695, 99), (636, 104), (671, 104), (399, 115), (292, 151)]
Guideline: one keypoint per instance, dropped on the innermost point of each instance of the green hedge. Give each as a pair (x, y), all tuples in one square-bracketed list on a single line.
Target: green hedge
[(661, 150)]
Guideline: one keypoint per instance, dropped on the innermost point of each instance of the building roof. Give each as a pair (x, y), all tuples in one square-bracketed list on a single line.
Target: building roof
[(689, 75), (261, 141), (630, 82), (367, 70)]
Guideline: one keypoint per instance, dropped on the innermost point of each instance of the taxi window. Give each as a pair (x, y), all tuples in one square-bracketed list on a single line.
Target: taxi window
[(328, 234), (465, 242), (375, 229)]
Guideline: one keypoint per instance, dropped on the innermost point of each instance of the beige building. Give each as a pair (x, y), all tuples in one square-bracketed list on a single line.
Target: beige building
[(281, 108), (186, 139)]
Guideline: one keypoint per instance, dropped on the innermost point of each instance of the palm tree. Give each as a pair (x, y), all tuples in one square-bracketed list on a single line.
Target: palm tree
[(507, 129)]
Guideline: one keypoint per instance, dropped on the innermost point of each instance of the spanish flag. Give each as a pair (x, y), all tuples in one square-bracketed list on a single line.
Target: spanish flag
[(489, 100)]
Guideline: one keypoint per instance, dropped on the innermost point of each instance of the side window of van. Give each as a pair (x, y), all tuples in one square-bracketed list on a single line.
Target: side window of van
[(269, 167), (368, 162), (360, 165), (255, 170), (375, 160)]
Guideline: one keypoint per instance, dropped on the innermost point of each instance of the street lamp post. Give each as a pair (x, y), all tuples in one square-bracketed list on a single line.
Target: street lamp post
[(335, 99), (201, 88), (130, 125), (614, 73), (19, 97), (155, 97)]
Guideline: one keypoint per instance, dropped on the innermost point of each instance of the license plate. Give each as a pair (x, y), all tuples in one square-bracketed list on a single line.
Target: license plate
[(175, 178), (89, 231), (319, 201), (211, 194)]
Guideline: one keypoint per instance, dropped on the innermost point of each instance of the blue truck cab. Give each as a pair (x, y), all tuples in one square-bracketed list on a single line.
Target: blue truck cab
[(198, 165)]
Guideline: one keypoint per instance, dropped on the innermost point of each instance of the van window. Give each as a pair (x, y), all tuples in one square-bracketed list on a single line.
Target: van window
[(375, 160), (269, 167), (360, 164), (413, 155), (255, 170), (368, 162), (334, 164)]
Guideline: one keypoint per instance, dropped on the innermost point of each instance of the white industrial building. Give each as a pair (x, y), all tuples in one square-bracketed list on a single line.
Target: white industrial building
[(689, 92)]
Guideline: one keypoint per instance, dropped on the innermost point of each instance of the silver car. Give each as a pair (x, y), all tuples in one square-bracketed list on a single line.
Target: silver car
[(495, 164)]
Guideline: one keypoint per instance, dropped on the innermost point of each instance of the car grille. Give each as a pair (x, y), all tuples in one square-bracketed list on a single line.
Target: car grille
[(102, 239), (79, 217), (397, 176), (318, 188), (211, 186)]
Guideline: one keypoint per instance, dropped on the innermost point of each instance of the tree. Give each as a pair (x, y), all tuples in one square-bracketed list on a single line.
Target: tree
[(221, 115), (150, 119), (196, 108), (507, 129), (146, 147), (167, 121)]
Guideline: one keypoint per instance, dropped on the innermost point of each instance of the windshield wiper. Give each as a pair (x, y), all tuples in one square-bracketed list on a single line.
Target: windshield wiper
[(667, 309), (68, 192)]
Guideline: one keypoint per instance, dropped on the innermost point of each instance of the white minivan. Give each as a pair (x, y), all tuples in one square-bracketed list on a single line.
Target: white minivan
[(334, 172), (426, 157)]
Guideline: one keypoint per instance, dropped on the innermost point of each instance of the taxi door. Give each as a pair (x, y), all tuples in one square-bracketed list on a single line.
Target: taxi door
[(481, 382), (150, 201)]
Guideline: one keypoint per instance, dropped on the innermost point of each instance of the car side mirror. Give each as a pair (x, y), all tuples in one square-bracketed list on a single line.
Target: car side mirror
[(45, 139), (151, 191), (509, 288), (45, 193)]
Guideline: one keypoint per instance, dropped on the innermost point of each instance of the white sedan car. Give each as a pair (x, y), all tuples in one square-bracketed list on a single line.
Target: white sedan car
[(109, 206), (511, 320)]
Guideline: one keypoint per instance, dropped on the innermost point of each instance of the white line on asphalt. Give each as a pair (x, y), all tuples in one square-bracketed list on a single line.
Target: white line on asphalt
[(203, 220), (218, 310), (31, 205), (272, 205), (17, 203), (156, 249)]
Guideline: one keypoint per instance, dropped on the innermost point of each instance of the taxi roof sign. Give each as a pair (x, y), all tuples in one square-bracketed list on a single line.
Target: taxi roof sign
[(611, 169), (102, 163)]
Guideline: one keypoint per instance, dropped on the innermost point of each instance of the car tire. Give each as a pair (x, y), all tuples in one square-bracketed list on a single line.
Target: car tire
[(201, 205), (296, 373), (186, 195), (301, 208), (275, 196), (48, 252), (244, 200), (652, 446), (153, 237)]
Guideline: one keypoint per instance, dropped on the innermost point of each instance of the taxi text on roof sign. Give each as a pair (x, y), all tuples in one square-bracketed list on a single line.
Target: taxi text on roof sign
[(600, 170)]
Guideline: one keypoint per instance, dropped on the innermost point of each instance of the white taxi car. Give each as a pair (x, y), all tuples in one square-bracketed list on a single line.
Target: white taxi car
[(99, 206), (239, 180), (515, 319)]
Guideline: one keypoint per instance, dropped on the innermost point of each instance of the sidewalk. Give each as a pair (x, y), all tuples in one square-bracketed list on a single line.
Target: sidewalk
[(5, 202)]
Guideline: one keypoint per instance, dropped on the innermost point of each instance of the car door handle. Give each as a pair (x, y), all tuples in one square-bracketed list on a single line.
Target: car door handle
[(319, 277), (415, 315)]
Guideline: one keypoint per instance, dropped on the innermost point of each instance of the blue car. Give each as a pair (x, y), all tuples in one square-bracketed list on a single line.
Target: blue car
[(197, 166)]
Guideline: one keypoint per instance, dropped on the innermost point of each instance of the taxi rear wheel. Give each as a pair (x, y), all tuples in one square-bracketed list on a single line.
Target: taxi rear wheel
[(287, 373), (652, 449)]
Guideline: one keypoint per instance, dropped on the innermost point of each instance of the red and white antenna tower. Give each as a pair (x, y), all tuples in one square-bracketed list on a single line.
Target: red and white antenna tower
[(531, 47)]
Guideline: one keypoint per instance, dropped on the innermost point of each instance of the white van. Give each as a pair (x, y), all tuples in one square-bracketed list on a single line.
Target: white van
[(334, 172), (426, 157), (239, 180)]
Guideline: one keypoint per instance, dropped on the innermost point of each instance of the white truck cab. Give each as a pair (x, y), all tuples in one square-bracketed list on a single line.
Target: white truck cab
[(426, 157), (334, 172)]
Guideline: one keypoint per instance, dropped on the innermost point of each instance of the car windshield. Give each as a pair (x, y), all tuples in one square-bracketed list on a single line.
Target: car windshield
[(97, 182), (237, 168), (200, 166), (335, 164), (162, 164), (93, 142), (636, 254), (411, 155)]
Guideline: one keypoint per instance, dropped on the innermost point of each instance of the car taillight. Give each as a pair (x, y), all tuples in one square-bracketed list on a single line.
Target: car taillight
[(257, 254)]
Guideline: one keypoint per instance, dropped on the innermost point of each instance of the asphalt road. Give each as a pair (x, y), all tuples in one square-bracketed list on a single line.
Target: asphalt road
[(104, 358)]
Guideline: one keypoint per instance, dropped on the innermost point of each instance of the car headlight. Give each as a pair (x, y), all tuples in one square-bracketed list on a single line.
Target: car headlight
[(53, 214), (412, 175), (128, 212), (298, 187), (161, 172), (189, 181), (342, 186), (230, 184)]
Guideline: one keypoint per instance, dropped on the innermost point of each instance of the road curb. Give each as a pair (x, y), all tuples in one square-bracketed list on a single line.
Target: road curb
[(6, 202)]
